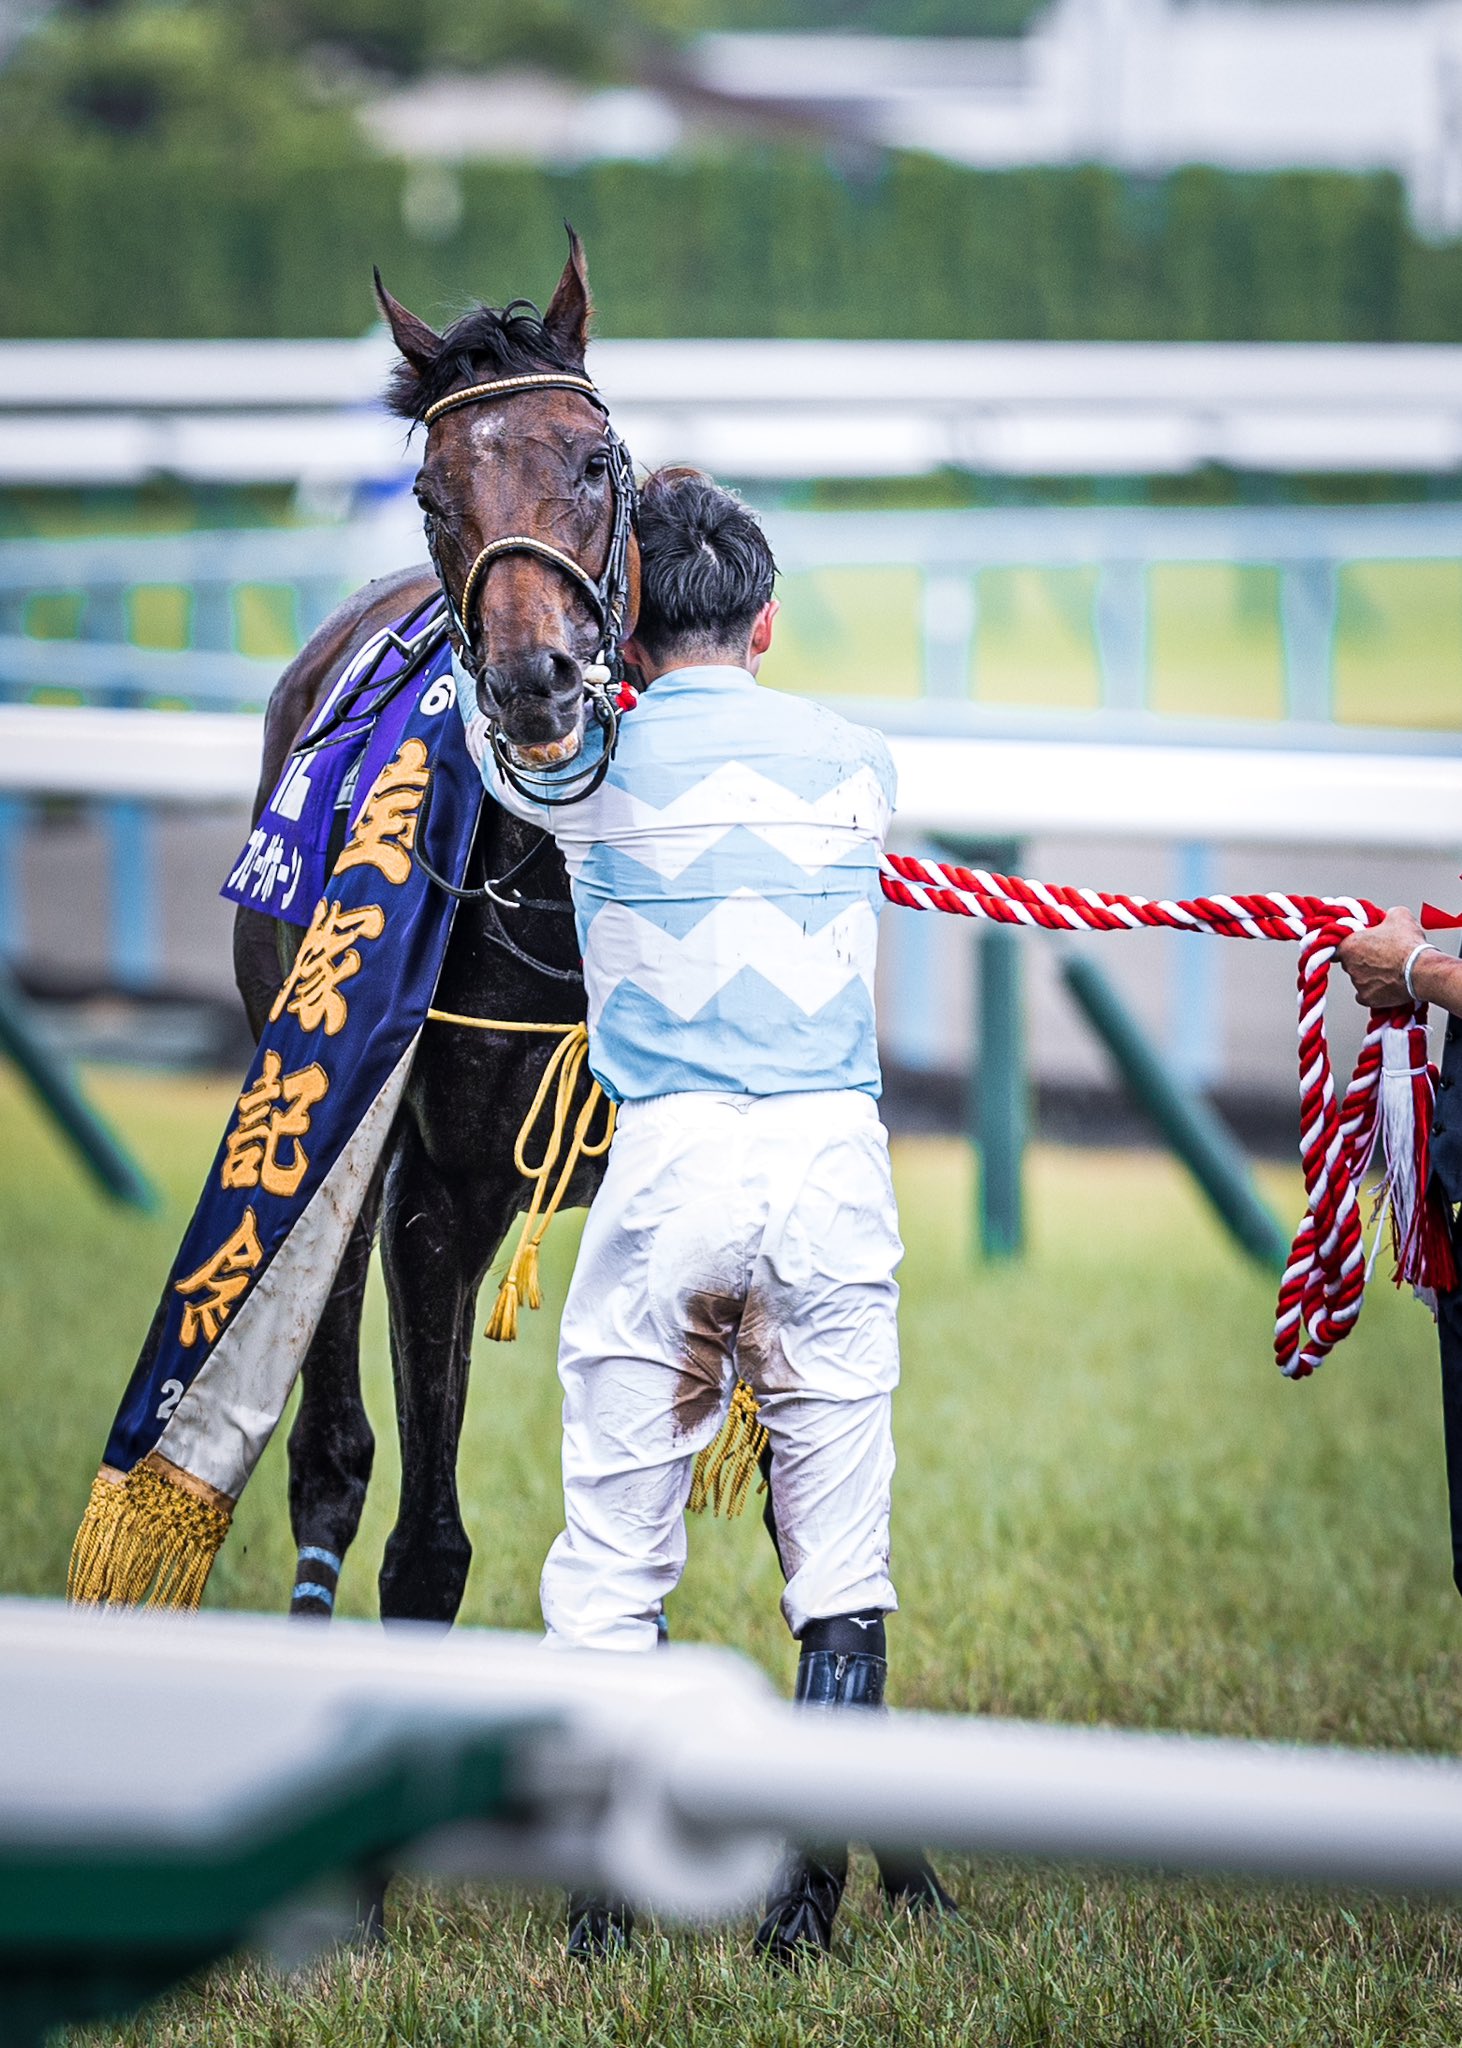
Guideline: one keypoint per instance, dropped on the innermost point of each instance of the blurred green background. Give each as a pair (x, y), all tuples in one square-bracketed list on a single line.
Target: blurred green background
[(196, 168)]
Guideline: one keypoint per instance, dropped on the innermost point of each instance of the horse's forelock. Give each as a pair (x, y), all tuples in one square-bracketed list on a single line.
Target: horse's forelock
[(486, 342)]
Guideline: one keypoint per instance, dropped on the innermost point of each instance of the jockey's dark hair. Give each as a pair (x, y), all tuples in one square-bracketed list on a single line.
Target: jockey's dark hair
[(705, 567), (486, 342)]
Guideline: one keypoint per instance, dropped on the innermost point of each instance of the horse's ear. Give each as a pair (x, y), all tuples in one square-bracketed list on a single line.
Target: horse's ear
[(571, 308), (418, 343)]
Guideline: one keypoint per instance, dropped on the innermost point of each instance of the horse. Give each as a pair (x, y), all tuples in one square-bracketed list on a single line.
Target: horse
[(520, 487)]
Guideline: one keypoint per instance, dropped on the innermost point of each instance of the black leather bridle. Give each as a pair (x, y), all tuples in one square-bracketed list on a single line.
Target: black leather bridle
[(608, 592)]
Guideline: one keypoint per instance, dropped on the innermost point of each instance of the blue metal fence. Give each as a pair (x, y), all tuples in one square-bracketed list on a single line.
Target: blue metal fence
[(97, 583), (1308, 547)]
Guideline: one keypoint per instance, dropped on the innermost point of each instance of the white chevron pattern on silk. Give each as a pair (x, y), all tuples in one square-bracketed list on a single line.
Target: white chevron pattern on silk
[(743, 930), (811, 833)]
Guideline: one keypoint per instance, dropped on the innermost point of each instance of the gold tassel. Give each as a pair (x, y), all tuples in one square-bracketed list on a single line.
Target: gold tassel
[(148, 1537), (520, 1285), (561, 1074), (502, 1324), (723, 1471), (91, 1552)]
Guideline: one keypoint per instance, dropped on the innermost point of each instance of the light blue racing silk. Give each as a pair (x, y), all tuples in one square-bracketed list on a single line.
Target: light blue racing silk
[(725, 888)]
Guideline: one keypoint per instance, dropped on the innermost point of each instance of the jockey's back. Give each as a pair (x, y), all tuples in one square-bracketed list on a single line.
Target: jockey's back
[(726, 891)]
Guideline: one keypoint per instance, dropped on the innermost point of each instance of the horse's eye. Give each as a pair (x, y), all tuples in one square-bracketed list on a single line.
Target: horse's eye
[(597, 467)]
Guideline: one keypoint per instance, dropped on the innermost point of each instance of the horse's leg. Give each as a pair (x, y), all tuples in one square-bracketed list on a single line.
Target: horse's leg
[(331, 1446), (437, 1237)]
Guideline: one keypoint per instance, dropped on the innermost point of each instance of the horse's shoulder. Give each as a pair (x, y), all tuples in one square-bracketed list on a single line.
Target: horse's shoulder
[(303, 683)]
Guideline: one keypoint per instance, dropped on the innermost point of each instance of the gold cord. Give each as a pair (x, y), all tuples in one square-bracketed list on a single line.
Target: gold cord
[(495, 1023), (560, 1077), (722, 1476)]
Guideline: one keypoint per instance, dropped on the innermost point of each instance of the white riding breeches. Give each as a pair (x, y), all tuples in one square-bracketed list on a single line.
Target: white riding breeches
[(734, 1235)]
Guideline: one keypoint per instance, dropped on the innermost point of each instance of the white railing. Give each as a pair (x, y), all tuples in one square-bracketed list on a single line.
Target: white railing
[(670, 1780)]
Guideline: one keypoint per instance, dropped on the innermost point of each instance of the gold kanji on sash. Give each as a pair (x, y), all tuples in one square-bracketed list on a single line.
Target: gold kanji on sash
[(251, 1156), (326, 957), (220, 1281), (385, 830)]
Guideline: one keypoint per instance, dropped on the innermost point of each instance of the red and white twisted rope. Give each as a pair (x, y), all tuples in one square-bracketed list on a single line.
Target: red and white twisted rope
[(1325, 1275)]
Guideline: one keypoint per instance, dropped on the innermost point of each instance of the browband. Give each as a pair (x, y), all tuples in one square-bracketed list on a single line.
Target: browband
[(537, 380)]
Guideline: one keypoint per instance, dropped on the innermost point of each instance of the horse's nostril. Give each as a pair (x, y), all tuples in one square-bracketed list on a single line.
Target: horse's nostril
[(539, 696), (551, 670)]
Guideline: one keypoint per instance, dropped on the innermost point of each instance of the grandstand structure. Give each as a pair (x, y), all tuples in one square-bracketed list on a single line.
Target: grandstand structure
[(1147, 85)]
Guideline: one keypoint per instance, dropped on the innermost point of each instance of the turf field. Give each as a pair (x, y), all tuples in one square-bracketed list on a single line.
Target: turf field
[(1109, 1508)]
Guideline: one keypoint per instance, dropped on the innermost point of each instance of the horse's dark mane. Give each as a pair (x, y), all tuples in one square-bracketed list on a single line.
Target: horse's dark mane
[(486, 342)]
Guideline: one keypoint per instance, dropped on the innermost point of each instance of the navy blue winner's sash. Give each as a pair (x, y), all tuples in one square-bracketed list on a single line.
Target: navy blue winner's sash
[(253, 1272)]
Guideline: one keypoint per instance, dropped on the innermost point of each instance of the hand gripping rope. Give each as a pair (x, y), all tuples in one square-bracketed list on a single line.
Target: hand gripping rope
[(1393, 1087)]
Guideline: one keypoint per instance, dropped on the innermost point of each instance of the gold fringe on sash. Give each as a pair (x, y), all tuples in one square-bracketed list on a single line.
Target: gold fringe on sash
[(561, 1075), (723, 1471), (148, 1537)]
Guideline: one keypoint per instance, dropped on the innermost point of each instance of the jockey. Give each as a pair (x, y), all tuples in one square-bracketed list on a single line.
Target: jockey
[(725, 880)]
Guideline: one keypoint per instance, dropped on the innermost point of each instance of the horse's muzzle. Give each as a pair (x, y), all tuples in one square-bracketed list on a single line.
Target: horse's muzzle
[(537, 704)]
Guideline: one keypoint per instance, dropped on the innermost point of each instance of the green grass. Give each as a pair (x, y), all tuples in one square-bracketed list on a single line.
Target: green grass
[(1109, 1508)]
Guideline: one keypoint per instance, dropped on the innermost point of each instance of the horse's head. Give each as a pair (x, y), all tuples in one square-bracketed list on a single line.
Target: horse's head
[(533, 464)]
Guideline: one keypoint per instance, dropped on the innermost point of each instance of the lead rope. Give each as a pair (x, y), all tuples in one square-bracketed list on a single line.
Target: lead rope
[(561, 1075), (1324, 1279)]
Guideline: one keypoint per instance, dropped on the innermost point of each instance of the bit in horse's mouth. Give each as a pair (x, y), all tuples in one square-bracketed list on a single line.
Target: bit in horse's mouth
[(550, 754)]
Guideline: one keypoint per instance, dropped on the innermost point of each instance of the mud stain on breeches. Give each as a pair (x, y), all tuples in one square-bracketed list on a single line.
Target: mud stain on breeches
[(720, 1331), (761, 1358), (708, 1343)]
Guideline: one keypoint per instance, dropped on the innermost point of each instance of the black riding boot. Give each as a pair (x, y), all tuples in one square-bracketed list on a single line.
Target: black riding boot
[(907, 1877), (909, 1881), (842, 1665), (597, 1927)]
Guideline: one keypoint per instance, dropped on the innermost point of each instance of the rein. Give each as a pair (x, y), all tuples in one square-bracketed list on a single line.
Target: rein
[(416, 652)]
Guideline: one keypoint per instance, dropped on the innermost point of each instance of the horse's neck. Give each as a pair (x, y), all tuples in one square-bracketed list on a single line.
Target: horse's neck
[(504, 840)]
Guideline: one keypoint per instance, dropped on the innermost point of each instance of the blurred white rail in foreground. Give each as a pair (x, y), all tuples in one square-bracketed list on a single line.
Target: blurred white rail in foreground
[(670, 1780)]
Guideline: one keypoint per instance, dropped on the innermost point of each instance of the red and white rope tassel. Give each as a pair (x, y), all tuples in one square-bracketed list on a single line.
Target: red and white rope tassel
[(1393, 1087)]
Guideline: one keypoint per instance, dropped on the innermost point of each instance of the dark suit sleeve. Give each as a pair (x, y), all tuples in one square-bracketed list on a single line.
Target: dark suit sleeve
[(1446, 1161)]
